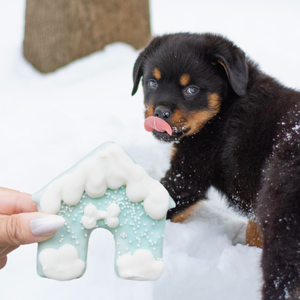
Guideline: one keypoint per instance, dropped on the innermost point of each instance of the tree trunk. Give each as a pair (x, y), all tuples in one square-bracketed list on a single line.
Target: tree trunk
[(58, 32)]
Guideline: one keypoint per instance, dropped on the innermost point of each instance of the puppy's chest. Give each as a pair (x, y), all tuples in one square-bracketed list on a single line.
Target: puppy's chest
[(235, 170)]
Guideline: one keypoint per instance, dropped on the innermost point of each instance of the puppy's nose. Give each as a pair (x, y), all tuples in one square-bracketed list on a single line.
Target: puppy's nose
[(162, 113)]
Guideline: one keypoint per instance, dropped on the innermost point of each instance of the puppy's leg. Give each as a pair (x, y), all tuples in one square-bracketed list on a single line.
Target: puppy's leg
[(279, 216), (185, 214), (253, 235)]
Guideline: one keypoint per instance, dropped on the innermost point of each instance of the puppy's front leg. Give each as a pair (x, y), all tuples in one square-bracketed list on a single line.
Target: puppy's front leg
[(186, 184)]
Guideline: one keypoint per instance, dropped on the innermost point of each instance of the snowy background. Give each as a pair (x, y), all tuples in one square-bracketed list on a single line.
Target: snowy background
[(49, 122)]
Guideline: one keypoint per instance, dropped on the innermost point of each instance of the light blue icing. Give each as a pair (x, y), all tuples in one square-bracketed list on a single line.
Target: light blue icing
[(136, 230)]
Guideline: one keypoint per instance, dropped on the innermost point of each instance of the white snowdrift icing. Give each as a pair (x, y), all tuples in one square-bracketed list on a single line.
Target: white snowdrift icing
[(92, 215), (62, 263), (140, 266), (110, 168)]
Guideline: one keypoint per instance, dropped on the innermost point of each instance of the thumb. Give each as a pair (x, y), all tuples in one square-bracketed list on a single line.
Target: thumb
[(26, 228)]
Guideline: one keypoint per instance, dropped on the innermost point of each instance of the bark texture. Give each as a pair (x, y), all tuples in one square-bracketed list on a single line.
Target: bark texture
[(58, 32)]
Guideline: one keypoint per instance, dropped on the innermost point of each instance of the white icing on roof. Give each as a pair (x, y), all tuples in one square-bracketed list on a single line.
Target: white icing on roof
[(109, 168), (62, 263), (92, 215), (139, 266)]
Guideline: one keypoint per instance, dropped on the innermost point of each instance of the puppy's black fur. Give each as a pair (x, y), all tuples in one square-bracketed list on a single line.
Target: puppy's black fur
[(236, 129)]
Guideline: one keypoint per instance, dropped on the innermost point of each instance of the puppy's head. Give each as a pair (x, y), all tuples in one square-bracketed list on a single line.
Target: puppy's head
[(186, 77)]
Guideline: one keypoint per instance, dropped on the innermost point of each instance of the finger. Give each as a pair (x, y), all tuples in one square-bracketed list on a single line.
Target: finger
[(14, 202), (3, 262), (26, 228), (7, 250), (2, 249)]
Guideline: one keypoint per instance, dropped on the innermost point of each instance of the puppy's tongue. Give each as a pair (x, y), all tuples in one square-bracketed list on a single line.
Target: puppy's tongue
[(158, 124)]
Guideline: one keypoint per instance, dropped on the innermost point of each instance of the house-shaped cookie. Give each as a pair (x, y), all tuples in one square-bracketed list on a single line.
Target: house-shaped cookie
[(105, 189)]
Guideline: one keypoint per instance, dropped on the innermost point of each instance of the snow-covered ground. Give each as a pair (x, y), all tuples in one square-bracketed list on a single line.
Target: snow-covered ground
[(49, 122)]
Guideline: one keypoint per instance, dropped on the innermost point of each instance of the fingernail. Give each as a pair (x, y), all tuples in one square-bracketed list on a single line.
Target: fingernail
[(46, 225)]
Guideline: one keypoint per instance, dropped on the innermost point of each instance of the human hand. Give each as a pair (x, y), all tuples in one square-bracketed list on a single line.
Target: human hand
[(20, 223)]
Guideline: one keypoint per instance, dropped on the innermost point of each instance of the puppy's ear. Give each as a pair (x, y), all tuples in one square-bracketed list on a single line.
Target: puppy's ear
[(138, 71), (236, 68), (139, 63)]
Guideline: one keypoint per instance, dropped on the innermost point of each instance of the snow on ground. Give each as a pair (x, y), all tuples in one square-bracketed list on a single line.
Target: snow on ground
[(49, 122)]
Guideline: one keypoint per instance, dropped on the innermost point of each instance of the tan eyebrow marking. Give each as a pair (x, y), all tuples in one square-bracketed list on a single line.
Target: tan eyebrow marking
[(185, 79), (156, 73)]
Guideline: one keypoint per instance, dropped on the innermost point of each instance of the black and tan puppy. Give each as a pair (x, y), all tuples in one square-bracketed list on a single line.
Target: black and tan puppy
[(233, 128)]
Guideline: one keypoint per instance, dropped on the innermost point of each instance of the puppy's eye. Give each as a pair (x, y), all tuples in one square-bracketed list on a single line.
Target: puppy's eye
[(192, 90), (152, 83)]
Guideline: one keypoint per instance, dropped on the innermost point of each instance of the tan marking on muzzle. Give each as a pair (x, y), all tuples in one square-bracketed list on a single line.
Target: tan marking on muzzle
[(178, 120), (177, 117), (184, 79), (149, 111), (214, 102), (157, 73), (198, 119)]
